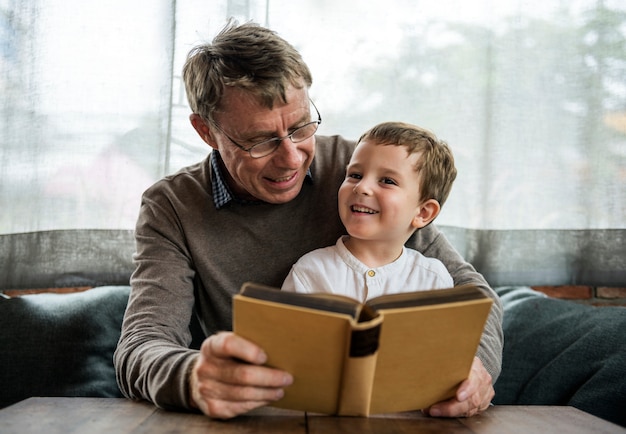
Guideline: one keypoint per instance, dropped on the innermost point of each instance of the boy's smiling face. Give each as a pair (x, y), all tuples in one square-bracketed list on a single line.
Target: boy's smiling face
[(380, 197)]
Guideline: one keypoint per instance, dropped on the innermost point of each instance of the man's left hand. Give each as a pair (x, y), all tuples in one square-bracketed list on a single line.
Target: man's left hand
[(473, 396)]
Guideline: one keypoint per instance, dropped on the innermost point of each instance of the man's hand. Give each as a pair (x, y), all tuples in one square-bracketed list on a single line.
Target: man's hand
[(473, 396), (227, 379)]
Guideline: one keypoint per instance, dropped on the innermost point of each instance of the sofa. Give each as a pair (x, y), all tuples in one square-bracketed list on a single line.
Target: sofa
[(556, 352)]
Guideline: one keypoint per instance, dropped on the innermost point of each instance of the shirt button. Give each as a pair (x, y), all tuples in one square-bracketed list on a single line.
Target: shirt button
[(371, 273)]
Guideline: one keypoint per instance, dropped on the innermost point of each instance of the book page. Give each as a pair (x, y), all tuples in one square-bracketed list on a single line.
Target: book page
[(321, 301), (426, 297)]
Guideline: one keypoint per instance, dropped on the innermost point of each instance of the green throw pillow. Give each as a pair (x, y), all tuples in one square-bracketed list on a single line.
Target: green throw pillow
[(60, 344)]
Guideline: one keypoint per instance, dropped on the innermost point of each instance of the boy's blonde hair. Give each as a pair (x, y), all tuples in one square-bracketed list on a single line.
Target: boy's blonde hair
[(436, 163)]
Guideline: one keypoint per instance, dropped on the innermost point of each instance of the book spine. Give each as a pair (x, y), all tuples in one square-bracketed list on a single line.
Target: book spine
[(359, 368)]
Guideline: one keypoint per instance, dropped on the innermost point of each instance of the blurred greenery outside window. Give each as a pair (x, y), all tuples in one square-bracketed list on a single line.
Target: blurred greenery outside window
[(530, 95)]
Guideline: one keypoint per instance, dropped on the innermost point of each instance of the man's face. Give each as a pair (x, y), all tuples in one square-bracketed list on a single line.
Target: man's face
[(277, 177)]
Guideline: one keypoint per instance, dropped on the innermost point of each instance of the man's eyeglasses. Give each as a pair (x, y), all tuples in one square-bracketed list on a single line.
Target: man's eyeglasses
[(266, 147)]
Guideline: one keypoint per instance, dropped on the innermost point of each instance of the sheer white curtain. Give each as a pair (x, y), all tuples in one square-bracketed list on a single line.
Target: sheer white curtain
[(531, 96), (85, 109)]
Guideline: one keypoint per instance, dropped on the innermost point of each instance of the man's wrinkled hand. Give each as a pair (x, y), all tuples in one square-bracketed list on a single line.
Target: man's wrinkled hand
[(473, 396), (228, 378)]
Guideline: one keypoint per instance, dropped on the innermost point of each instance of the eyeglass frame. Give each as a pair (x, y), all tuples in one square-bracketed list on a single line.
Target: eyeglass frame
[(278, 140)]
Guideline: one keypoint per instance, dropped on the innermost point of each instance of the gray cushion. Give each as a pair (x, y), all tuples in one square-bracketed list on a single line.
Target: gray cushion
[(60, 344), (558, 352)]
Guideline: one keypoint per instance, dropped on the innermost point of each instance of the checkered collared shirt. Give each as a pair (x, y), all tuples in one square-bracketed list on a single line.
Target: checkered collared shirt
[(222, 195)]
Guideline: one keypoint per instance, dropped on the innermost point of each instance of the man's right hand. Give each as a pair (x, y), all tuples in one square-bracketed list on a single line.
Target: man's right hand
[(228, 378)]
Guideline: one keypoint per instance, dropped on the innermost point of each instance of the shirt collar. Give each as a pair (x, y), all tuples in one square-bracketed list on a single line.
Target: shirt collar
[(222, 194)]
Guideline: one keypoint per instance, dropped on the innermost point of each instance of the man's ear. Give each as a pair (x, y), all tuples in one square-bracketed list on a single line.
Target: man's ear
[(426, 213), (202, 129)]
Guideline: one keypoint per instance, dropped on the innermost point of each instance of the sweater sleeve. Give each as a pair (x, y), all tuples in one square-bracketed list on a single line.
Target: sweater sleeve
[(152, 360), (431, 242)]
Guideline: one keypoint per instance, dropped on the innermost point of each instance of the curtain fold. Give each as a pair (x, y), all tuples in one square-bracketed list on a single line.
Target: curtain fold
[(69, 258), (66, 258), (544, 257)]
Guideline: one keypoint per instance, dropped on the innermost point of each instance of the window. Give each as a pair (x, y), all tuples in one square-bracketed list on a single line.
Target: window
[(531, 96)]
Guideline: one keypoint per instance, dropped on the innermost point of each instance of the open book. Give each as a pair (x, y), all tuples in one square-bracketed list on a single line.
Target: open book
[(397, 352)]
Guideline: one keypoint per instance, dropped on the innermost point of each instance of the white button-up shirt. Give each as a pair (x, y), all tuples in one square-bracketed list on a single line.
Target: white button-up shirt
[(335, 270)]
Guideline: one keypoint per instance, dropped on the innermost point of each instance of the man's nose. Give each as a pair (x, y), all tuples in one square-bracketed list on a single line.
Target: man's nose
[(289, 153)]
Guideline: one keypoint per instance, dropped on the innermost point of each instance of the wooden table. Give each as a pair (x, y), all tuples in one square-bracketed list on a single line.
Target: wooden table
[(118, 415)]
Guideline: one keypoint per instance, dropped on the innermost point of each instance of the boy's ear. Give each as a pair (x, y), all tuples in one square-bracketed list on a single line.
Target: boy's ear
[(202, 129), (426, 213)]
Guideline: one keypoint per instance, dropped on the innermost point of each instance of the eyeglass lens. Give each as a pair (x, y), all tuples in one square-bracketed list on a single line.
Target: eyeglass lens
[(298, 135)]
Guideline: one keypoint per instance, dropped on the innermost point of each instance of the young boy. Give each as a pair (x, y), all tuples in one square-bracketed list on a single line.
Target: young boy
[(398, 178)]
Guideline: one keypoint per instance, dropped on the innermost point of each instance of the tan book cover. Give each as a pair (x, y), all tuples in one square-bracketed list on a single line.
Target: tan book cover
[(397, 352)]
